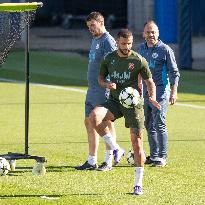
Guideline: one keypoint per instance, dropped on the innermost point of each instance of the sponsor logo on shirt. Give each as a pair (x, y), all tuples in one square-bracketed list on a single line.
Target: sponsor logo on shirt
[(120, 77)]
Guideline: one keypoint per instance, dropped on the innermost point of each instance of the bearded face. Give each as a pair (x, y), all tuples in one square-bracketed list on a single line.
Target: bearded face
[(125, 45)]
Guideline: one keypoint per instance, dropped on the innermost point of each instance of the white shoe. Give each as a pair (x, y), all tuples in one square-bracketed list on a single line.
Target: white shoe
[(161, 162), (118, 154)]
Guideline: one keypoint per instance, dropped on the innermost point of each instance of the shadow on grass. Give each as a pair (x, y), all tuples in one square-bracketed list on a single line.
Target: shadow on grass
[(60, 168), (48, 169), (48, 196), (42, 103), (31, 196), (85, 142), (20, 170)]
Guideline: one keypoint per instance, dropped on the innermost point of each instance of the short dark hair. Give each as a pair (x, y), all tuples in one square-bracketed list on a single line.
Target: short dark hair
[(95, 15), (150, 22), (124, 33)]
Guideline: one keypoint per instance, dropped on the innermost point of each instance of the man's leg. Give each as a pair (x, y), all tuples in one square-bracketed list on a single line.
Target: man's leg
[(93, 143), (109, 151), (137, 143), (100, 118), (107, 163), (93, 138), (162, 134), (151, 132)]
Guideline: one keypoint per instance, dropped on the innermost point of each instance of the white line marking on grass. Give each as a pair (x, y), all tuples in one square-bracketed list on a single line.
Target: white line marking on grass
[(192, 106), (60, 87), (45, 85), (9, 80), (84, 91)]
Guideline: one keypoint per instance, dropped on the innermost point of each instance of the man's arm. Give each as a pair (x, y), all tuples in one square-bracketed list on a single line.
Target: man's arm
[(173, 75), (151, 88), (173, 95), (140, 84)]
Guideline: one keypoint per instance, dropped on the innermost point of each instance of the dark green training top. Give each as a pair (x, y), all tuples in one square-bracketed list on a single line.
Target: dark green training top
[(124, 71)]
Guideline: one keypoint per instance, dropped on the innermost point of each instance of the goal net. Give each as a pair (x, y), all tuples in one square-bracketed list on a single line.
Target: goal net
[(14, 18)]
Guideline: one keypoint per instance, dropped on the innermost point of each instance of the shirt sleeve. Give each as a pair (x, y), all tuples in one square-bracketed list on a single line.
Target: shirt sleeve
[(104, 68), (138, 49), (145, 71), (172, 68), (109, 45)]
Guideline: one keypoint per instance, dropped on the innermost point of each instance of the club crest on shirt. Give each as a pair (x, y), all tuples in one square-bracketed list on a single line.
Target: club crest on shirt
[(131, 66), (154, 55), (97, 46), (112, 62)]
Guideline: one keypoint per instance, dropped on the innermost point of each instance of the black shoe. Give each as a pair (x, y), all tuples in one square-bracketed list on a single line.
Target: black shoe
[(104, 167), (86, 166), (149, 160)]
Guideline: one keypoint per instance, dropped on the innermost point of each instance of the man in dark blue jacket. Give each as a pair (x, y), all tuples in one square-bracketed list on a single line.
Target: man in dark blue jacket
[(165, 74)]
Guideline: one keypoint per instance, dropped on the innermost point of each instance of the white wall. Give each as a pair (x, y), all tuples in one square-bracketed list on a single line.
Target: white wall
[(138, 12)]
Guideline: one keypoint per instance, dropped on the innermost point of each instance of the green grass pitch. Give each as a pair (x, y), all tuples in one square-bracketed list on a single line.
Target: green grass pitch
[(57, 132)]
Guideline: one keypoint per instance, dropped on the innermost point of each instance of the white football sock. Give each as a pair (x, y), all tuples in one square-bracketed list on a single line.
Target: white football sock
[(109, 157), (139, 171), (92, 160), (111, 141)]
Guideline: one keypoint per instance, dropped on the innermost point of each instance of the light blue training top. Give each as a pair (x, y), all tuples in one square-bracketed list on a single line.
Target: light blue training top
[(163, 66), (100, 47)]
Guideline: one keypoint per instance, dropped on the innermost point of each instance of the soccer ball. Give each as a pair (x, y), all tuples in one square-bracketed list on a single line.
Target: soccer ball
[(39, 169), (129, 97), (130, 158), (4, 166)]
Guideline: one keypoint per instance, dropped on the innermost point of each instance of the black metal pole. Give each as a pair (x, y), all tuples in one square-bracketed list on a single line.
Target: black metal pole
[(27, 77)]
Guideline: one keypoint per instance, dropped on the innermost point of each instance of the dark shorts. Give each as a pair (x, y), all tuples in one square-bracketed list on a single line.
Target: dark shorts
[(134, 117)]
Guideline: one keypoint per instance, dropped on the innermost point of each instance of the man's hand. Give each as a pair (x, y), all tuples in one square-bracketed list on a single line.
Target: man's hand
[(155, 103), (111, 85), (152, 92), (173, 95)]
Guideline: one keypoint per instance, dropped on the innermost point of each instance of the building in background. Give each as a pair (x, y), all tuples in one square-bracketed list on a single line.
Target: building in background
[(121, 13), (179, 21), (138, 12), (72, 13)]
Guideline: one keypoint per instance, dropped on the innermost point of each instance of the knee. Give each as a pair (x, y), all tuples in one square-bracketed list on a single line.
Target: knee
[(94, 118), (87, 121), (137, 139)]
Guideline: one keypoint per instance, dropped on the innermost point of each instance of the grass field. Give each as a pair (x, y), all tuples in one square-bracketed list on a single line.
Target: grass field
[(57, 132)]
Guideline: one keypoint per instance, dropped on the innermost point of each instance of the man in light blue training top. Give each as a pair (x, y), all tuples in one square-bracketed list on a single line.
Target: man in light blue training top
[(102, 44), (166, 75)]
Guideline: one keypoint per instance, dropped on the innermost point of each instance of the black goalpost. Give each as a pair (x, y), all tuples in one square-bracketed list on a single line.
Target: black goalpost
[(23, 7)]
